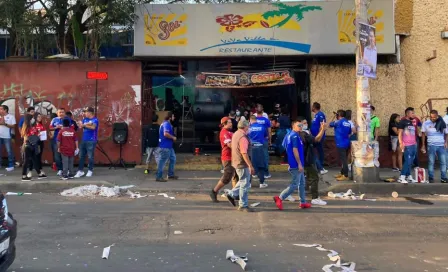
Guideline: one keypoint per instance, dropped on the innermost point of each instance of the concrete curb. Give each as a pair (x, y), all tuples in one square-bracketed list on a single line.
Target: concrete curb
[(46, 186), (386, 189), (210, 167)]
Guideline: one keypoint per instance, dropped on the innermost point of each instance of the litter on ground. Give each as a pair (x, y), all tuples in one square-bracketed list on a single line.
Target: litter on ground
[(349, 195), (334, 257), (255, 204), (166, 196), (93, 191), (230, 255)]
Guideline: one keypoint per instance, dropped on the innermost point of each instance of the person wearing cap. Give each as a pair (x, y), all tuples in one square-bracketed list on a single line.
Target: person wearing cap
[(56, 126), (166, 151), (225, 137), (241, 162), (257, 135), (89, 125)]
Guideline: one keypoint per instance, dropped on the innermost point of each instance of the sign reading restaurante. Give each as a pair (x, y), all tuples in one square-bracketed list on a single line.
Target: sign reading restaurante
[(243, 80)]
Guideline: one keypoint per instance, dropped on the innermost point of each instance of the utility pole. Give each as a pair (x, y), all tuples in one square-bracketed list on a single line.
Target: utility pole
[(364, 141)]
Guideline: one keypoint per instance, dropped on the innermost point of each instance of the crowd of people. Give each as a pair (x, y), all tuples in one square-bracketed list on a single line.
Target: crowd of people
[(62, 135)]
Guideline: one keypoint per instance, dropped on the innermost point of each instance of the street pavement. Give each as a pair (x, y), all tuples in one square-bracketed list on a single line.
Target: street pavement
[(59, 233)]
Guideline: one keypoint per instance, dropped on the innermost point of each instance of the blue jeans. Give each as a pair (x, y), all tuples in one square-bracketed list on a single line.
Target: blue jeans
[(441, 154), (8, 147), (409, 156), (166, 154), (87, 148), (56, 155), (320, 153), (266, 156), (242, 187), (298, 181)]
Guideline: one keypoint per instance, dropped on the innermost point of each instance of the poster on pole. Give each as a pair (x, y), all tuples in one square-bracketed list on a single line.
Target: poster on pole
[(368, 51)]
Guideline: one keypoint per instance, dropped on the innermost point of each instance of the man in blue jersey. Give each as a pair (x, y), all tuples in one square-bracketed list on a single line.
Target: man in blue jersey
[(263, 120), (342, 131), (257, 135), (296, 160), (166, 151), (89, 125), (319, 117)]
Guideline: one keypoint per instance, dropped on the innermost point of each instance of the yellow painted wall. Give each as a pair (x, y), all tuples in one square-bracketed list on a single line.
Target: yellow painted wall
[(403, 16), (333, 86), (427, 79)]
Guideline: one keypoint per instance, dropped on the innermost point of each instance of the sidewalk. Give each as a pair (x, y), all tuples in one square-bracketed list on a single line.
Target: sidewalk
[(202, 181)]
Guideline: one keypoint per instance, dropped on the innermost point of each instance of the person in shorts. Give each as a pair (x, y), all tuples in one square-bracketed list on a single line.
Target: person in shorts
[(397, 156)]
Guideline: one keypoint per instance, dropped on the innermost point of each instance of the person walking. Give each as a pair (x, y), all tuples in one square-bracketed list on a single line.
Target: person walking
[(30, 147), (7, 124), (56, 125), (319, 117), (296, 160), (241, 162), (342, 131), (68, 148), (436, 131), (258, 136), (397, 155), (41, 131), (151, 141), (166, 150), (225, 138), (263, 119), (407, 138), (89, 125)]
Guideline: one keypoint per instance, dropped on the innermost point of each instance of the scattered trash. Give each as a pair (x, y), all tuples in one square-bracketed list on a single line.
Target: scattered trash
[(34, 258), (106, 252), (394, 194), (230, 255), (135, 195), (253, 205), (93, 190), (177, 232), (334, 257), (166, 196), (17, 194), (349, 195), (390, 180), (442, 195)]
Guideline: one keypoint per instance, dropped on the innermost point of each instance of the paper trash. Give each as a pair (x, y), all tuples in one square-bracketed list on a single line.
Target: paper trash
[(230, 255), (17, 194), (334, 257), (177, 232), (106, 252), (93, 190), (255, 204), (349, 195)]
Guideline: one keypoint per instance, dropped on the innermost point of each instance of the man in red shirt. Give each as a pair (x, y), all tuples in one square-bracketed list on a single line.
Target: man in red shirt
[(68, 147), (225, 137)]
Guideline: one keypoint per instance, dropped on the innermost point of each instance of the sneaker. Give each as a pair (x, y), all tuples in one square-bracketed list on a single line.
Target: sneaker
[(71, 176), (146, 171), (64, 178), (432, 181), (267, 176), (25, 178), (231, 200), (89, 174), (318, 202), (9, 169), (323, 171), (264, 185), (161, 180), (245, 209), (214, 196), (444, 180), (42, 176), (222, 171), (402, 180), (411, 180), (305, 205), (342, 178), (278, 202), (59, 173), (395, 170), (290, 198), (173, 177), (30, 175), (79, 174)]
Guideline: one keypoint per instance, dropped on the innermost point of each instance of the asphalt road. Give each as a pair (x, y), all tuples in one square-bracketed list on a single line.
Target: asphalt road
[(68, 234)]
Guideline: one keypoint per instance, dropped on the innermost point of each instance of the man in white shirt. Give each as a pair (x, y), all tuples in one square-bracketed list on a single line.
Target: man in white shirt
[(7, 123)]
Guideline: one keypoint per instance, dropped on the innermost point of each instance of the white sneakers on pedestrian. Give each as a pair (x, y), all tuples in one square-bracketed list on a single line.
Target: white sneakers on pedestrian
[(318, 201), (264, 185), (267, 177), (79, 174), (59, 173), (29, 175), (402, 180), (9, 169), (411, 180), (89, 174), (323, 171)]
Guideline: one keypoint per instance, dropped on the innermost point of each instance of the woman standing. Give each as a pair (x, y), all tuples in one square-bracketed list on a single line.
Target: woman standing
[(30, 147), (40, 129), (397, 156)]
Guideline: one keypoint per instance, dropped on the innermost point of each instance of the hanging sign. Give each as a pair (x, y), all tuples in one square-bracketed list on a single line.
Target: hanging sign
[(244, 80)]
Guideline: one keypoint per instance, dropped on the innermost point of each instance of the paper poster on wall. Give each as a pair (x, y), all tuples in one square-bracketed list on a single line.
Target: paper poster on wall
[(368, 51), (365, 154)]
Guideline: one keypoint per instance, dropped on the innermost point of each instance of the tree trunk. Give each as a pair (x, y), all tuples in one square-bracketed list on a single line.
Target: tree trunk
[(68, 37)]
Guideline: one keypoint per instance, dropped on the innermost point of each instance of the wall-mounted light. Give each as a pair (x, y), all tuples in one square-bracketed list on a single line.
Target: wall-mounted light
[(444, 33)]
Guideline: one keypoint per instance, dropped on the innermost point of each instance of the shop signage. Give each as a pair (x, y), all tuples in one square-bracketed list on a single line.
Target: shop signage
[(244, 80), (253, 29)]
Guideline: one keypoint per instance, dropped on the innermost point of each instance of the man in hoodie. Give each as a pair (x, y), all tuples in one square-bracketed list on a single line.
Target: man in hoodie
[(436, 131)]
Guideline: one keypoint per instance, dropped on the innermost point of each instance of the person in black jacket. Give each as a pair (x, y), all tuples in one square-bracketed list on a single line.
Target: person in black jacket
[(312, 176), (151, 141)]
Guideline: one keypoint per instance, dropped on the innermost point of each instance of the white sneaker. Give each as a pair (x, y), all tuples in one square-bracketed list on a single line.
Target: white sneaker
[(264, 185), (318, 201), (267, 177), (323, 171), (411, 180), (29, 175), (9, 169), (89, 174), (79, 174), (59, 173), (290, 198), (402, 180)]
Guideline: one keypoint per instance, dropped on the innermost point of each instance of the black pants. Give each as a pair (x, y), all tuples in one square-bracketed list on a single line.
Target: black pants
[(342, 152), (39, 156), (30, 154)]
